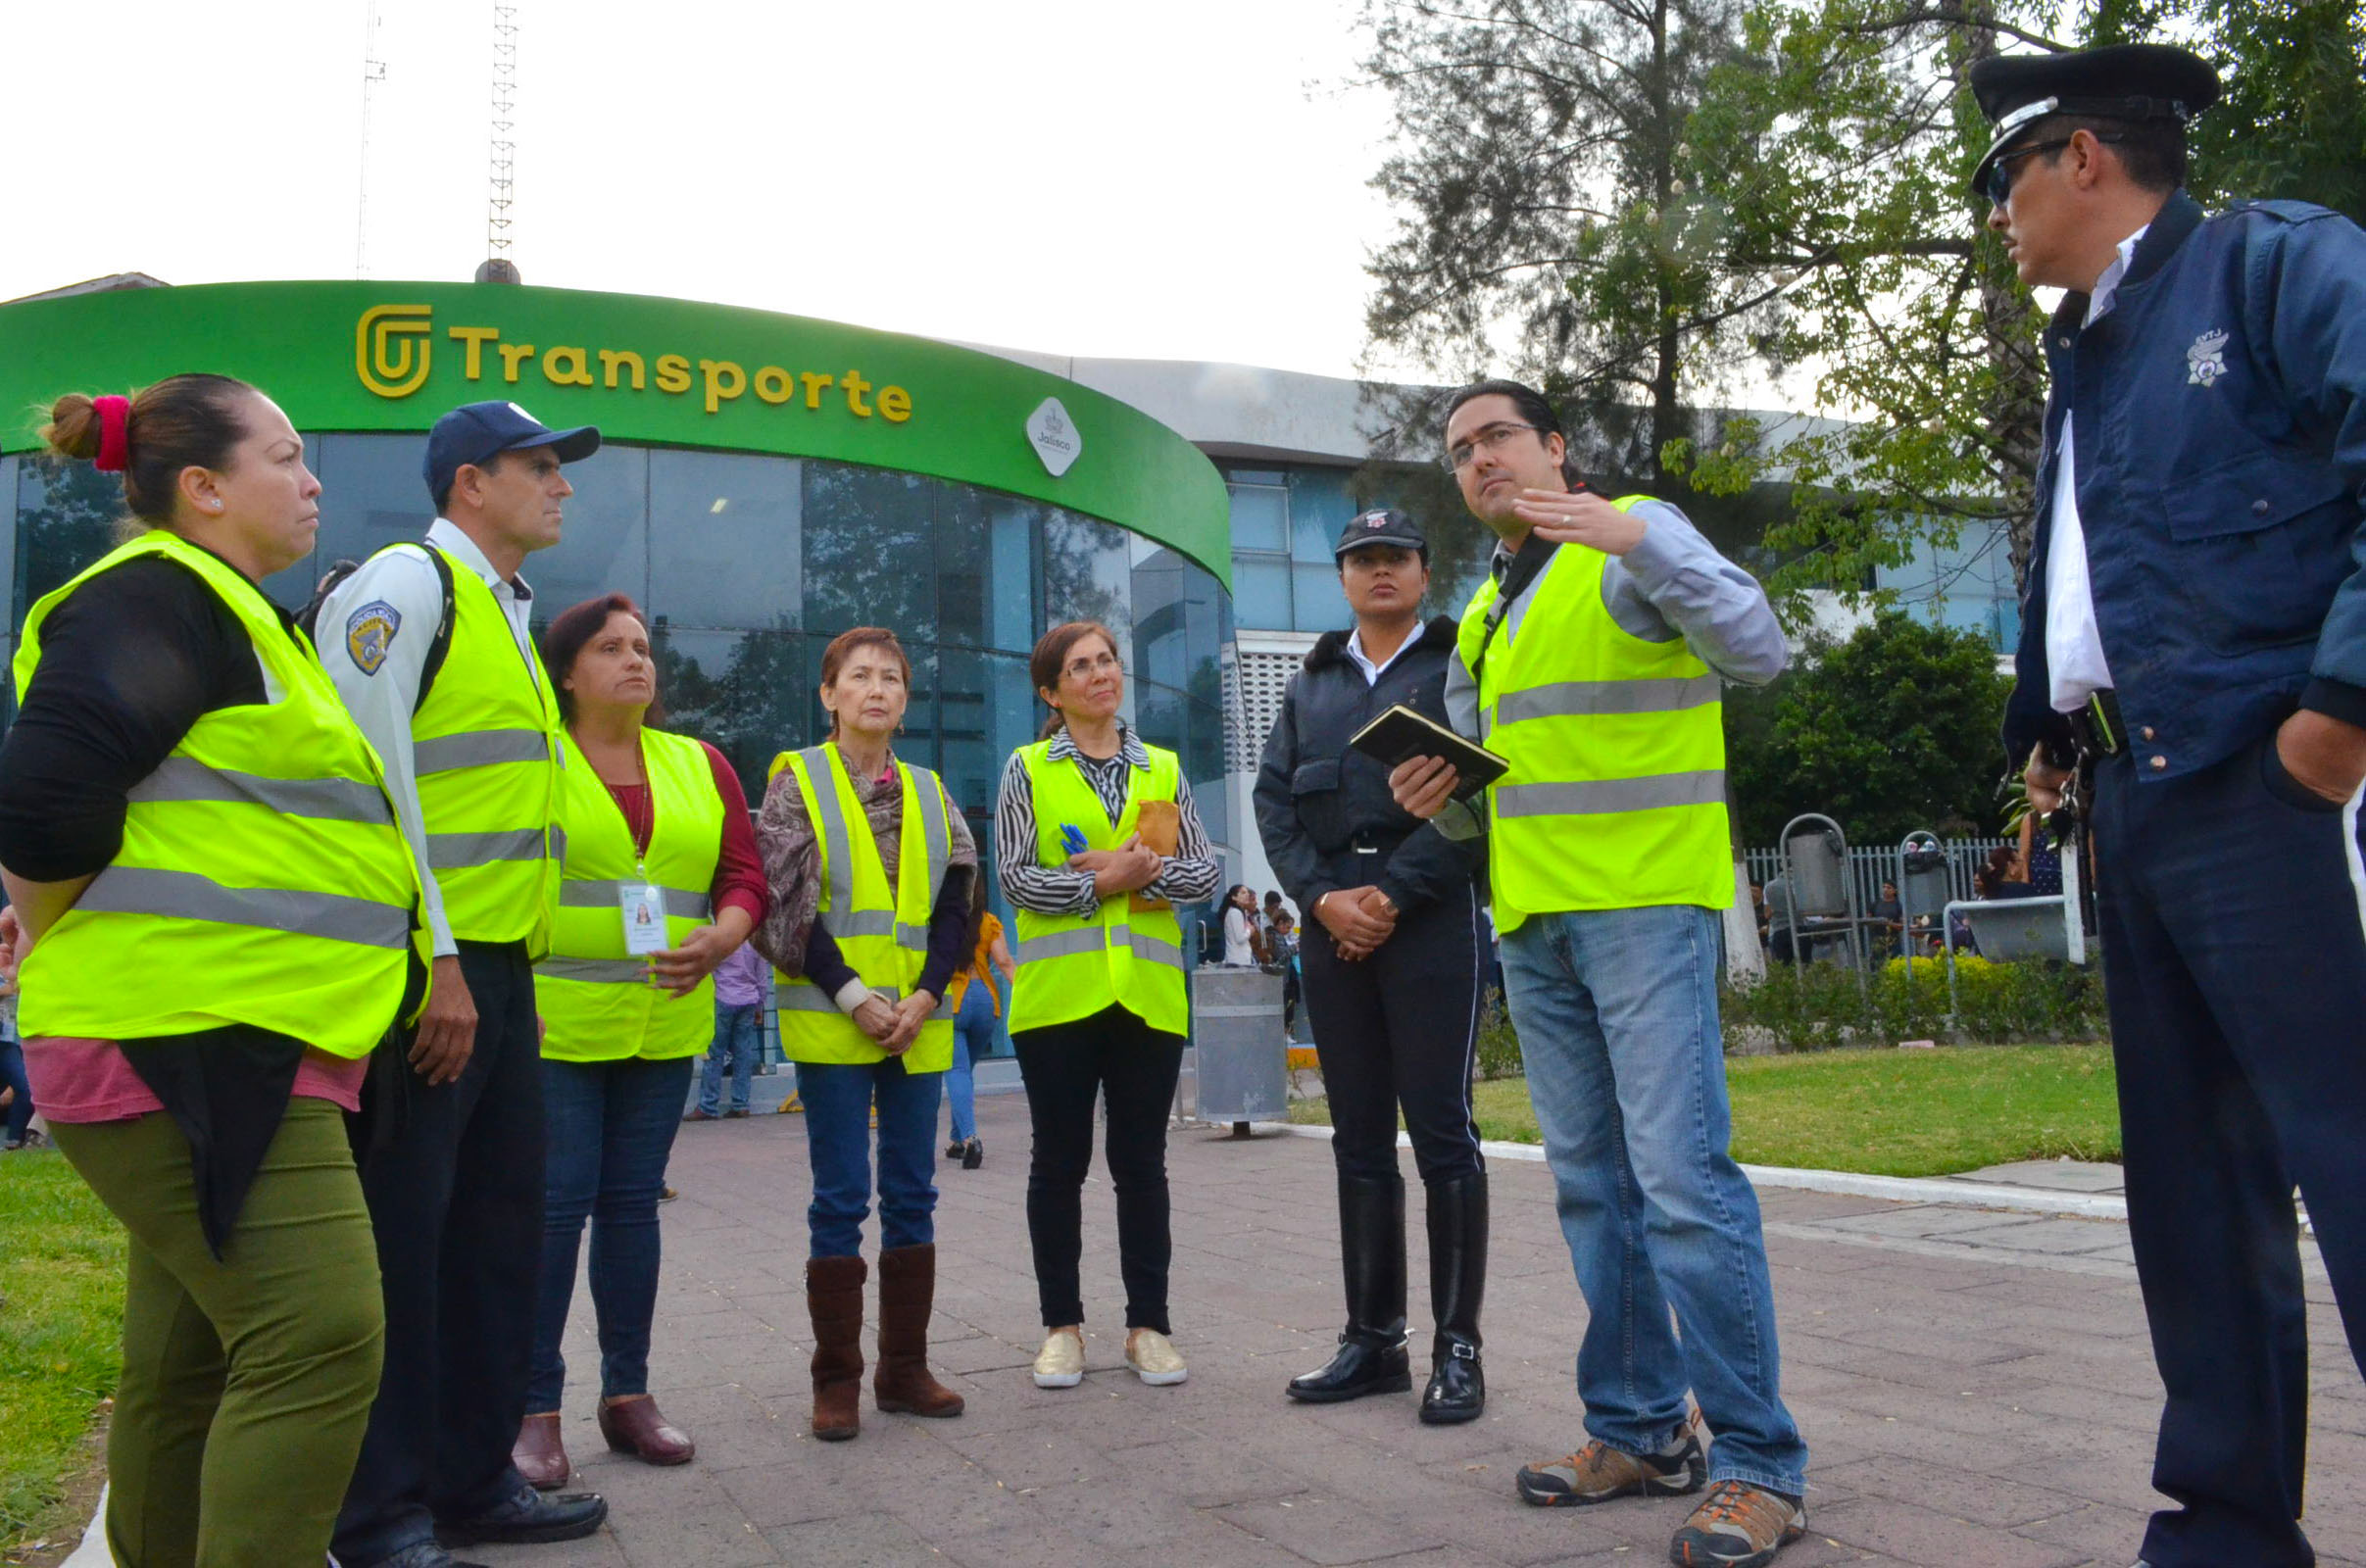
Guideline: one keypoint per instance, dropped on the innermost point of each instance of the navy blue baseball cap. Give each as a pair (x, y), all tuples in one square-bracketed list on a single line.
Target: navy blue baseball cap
[(1381, 526), (475, 432)]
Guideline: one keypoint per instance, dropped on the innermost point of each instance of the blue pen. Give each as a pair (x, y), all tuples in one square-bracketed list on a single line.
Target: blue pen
[(1071, 837)]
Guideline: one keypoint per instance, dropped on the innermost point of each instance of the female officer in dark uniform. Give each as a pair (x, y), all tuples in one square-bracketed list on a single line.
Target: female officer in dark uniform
[(1393, 953)]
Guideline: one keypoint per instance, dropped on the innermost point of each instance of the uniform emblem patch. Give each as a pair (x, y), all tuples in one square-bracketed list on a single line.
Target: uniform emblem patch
[(369, 633), (2205, 361)]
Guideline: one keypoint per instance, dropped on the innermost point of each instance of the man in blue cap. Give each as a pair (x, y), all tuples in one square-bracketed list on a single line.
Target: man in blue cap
[(428, 645), (2192, 667)]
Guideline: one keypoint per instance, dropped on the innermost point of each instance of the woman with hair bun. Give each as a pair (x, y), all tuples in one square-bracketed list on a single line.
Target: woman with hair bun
[(215, 919), (660, 883), (1098, 840), (872, 874)]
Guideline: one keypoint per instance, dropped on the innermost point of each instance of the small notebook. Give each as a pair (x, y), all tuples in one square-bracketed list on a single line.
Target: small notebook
[(1157, 823), (1402, 733)]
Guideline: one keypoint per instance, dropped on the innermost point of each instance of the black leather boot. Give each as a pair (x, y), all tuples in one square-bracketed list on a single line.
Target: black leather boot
[(1371, 1356), (1458, 1283)]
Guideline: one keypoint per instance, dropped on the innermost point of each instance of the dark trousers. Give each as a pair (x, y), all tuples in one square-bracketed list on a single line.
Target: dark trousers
[(1111, 1056), (20, 1112), (1401, 1029), (456, 1199), (612, 1127), (2235, 962)]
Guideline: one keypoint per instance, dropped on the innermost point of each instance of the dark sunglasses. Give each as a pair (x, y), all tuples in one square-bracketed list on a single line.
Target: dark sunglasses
[(2001, 173)]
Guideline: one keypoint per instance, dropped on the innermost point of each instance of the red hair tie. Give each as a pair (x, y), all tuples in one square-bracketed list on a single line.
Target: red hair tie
[(115, 433)]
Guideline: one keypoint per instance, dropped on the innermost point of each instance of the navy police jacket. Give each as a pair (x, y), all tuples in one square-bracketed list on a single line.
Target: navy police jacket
[(2221, 467)]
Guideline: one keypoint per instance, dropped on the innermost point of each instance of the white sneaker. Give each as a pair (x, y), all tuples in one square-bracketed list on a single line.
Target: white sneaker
[(1059, 1364), (1154, 1358)]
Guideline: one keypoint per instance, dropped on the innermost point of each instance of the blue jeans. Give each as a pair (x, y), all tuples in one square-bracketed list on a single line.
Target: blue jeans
[(738, 1039), (612, 1127), (20, 1112), (976, 1029), (838, 1100), (1617, 1017)]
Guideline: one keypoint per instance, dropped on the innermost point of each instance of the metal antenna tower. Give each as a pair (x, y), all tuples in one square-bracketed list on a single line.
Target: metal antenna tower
[(374, 71), (504, 150)]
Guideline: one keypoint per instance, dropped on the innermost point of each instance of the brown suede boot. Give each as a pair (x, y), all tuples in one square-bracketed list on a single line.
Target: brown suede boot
[(907, 1289), (539, 1454), (833, 1295)]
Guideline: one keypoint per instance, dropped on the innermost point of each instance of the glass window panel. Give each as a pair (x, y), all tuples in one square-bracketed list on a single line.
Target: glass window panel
[(1204, 634), (1323, 605), (371, 496), (1015, 623), (1320, 507), (744, 693), (1260, 518), (1256, 475), (985, 566), (869, 534), (603, 543), (1261, 595), (1087, 574), (987, 713), (1160, 610), (65, 517), (730, 553)]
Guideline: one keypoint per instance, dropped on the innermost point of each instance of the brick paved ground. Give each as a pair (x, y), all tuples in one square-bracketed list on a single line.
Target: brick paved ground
[(1977, 1389)]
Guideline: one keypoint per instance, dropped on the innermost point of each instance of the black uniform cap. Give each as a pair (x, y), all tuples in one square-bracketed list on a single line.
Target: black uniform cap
[(2120, 81)]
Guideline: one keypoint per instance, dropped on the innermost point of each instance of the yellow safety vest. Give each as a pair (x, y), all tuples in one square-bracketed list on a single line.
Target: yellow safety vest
[(485, 750), (1616, 795), (882, 933), (1072, 967), (594, 997), (262, 880)]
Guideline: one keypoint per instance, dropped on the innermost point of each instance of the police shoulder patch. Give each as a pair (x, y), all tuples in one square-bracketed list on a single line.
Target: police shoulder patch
[(369, 633)]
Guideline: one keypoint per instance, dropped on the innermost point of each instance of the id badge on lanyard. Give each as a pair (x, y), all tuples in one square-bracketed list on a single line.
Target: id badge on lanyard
[(644, 912)]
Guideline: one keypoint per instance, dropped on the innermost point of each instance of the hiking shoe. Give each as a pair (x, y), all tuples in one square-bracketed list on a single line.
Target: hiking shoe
[(1738, 1525), (1154, 1358), (1059, 1364), (1597, 1473)]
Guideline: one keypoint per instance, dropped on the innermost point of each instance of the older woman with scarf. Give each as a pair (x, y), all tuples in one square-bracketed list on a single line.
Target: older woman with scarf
[(871, 871)]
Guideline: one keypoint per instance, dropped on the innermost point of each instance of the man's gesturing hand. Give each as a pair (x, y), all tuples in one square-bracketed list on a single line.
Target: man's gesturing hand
[(1579, 517), (447, 1030)]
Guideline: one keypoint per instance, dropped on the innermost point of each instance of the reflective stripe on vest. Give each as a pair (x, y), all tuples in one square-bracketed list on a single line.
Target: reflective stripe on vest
[(881, 933), (1071, 967), (261, 878), (596, 999), (1616, 793), (488, 766)]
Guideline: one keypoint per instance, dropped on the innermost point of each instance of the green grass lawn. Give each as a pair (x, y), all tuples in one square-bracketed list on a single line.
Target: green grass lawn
[(1887, 1113), (61, 1326)]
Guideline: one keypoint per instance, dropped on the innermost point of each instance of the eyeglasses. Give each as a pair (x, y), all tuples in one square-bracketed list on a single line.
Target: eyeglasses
[(1086, 667), (1457, 457), (2000, 173)]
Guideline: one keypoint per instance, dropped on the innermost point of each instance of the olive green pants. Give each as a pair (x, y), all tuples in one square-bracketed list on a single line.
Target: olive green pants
[(247, 1381)]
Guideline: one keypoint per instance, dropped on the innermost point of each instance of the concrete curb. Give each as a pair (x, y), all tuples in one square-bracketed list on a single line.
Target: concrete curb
[(1891, 1189)]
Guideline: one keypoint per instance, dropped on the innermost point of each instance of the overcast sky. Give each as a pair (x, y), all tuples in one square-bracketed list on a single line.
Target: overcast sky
[(1078, 176)]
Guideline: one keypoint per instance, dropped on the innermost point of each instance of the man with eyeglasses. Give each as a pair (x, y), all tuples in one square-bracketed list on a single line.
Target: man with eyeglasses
[(1593, 659), (2194, 643)]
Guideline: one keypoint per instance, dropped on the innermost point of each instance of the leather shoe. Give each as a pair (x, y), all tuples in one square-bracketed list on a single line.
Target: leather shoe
[(632, 1425), (1458, 1388), (425, 1554), (540, 1454), (1361, 1366), (529, 1518)]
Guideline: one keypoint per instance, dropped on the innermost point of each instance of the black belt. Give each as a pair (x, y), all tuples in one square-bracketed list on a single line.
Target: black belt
[(2098, 728)]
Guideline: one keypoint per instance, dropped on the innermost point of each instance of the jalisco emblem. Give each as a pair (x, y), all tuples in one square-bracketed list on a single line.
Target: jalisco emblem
[(2205, 361)]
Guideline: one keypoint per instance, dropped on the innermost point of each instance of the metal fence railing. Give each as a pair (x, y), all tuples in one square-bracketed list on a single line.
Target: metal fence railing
[(1874, 864)]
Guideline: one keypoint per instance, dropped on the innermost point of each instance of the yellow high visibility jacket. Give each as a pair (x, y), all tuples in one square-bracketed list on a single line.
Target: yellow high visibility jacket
[(262, 880), (1616, 793), (881, 932), (486, 748), (594, 997), (1072, 967)]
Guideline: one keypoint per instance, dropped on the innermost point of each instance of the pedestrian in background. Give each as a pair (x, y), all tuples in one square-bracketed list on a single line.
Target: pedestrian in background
[(430, 648), (1097, 840), (218, 922), (1244, 940), (1394, 970), (739, 999), (660, 880), (977, 1027), (872, 869), (18, 1105)]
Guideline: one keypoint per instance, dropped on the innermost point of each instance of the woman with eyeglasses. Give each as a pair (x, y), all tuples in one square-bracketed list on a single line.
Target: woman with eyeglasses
[(1096, 841)]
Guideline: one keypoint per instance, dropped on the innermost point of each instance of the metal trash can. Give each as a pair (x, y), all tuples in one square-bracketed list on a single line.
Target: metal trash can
[(1242, 1062)]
